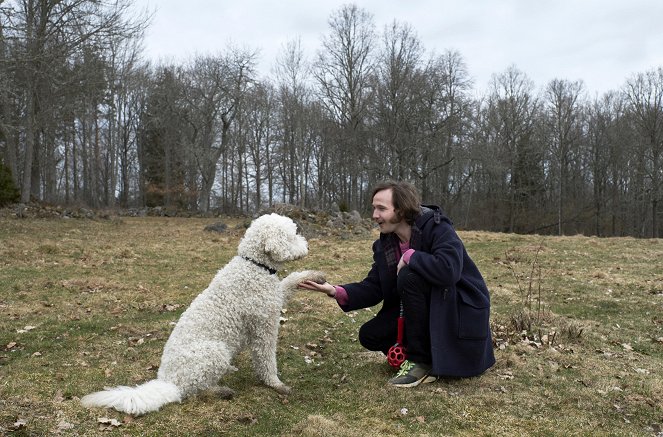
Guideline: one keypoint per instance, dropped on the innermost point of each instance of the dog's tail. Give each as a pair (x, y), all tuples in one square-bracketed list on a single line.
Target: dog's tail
[(136, 401)]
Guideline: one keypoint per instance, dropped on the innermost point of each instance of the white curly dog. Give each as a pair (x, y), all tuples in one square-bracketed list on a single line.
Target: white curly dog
[(240, 308)]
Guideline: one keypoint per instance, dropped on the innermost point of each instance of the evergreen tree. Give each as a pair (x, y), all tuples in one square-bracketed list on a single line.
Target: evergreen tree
[(8, 191)]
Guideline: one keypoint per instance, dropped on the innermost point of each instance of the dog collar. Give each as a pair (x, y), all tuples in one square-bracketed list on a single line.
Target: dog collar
[(269, 269)]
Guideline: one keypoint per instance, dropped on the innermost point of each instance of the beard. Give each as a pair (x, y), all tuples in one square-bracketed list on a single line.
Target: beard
[(389, 225), (396, 219)]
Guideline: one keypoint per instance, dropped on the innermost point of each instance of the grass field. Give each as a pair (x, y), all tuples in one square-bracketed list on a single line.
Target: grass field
[(577, 324)]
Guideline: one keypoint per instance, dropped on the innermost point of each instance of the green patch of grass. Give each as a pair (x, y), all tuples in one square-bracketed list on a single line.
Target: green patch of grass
[(85, 304)]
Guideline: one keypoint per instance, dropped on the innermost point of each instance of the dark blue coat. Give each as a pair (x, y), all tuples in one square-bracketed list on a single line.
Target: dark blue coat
[(461, 343)]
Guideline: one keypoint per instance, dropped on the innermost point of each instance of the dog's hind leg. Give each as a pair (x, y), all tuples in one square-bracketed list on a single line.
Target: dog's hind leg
[(263, 353), (196, 365)]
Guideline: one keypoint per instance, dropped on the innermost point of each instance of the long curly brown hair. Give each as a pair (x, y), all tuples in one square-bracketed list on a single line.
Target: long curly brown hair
[(405, 197)]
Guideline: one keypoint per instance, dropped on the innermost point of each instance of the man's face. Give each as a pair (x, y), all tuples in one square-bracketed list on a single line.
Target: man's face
[(384, 213)]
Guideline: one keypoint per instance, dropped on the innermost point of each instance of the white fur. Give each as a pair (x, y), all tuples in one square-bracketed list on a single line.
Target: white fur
[(240, 308)]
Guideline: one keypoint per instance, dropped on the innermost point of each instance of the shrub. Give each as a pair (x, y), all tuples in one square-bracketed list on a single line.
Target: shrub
[(8, 191)]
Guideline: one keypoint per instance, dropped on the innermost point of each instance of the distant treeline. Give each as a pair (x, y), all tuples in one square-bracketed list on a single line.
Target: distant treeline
[(85, 120)]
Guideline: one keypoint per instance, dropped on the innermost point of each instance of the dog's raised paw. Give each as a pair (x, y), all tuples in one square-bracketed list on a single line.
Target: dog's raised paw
[(315, 276)]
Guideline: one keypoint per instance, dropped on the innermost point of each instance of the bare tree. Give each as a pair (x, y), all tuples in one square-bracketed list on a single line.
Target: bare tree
[(259, 126), (564, 123), (343, 70), (52, 31), (83, 119), (397, 103), (644, 93), (130, 104), (443, 164), (512, 114), (294, 94), (217, 85), (605, 139)]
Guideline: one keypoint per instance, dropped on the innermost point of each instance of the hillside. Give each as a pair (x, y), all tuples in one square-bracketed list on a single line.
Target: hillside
[(577, 322)]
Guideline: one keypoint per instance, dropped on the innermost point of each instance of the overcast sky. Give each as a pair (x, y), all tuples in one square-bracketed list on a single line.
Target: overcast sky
[(602, 42)]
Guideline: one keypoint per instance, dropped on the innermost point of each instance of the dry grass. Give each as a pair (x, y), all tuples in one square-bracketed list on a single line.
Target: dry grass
[(86, 304)]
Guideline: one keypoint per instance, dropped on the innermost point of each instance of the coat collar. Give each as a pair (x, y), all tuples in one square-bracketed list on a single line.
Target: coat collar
[(390, 243)]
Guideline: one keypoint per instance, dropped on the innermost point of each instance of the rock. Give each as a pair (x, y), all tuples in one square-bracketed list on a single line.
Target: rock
[(216, 227), (353, 218)]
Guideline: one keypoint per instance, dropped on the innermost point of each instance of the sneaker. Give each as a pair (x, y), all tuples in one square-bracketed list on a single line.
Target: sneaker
[(412, 374)]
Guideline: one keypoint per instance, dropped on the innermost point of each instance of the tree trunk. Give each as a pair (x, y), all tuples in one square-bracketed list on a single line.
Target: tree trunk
[(26, 188)]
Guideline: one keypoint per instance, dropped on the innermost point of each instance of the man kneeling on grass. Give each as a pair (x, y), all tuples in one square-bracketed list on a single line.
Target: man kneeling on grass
[(420, 265)]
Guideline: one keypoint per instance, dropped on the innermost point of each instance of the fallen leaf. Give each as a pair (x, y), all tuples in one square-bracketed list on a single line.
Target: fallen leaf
[(63, 425), (58, 398), (135, 341), (109, 422), (19, 424)]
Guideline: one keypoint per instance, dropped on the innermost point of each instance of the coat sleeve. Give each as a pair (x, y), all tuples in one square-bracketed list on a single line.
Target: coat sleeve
[(368, 292), (441, 263)]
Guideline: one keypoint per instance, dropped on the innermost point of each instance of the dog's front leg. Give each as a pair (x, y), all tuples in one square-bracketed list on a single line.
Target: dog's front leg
[(263, 351)]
